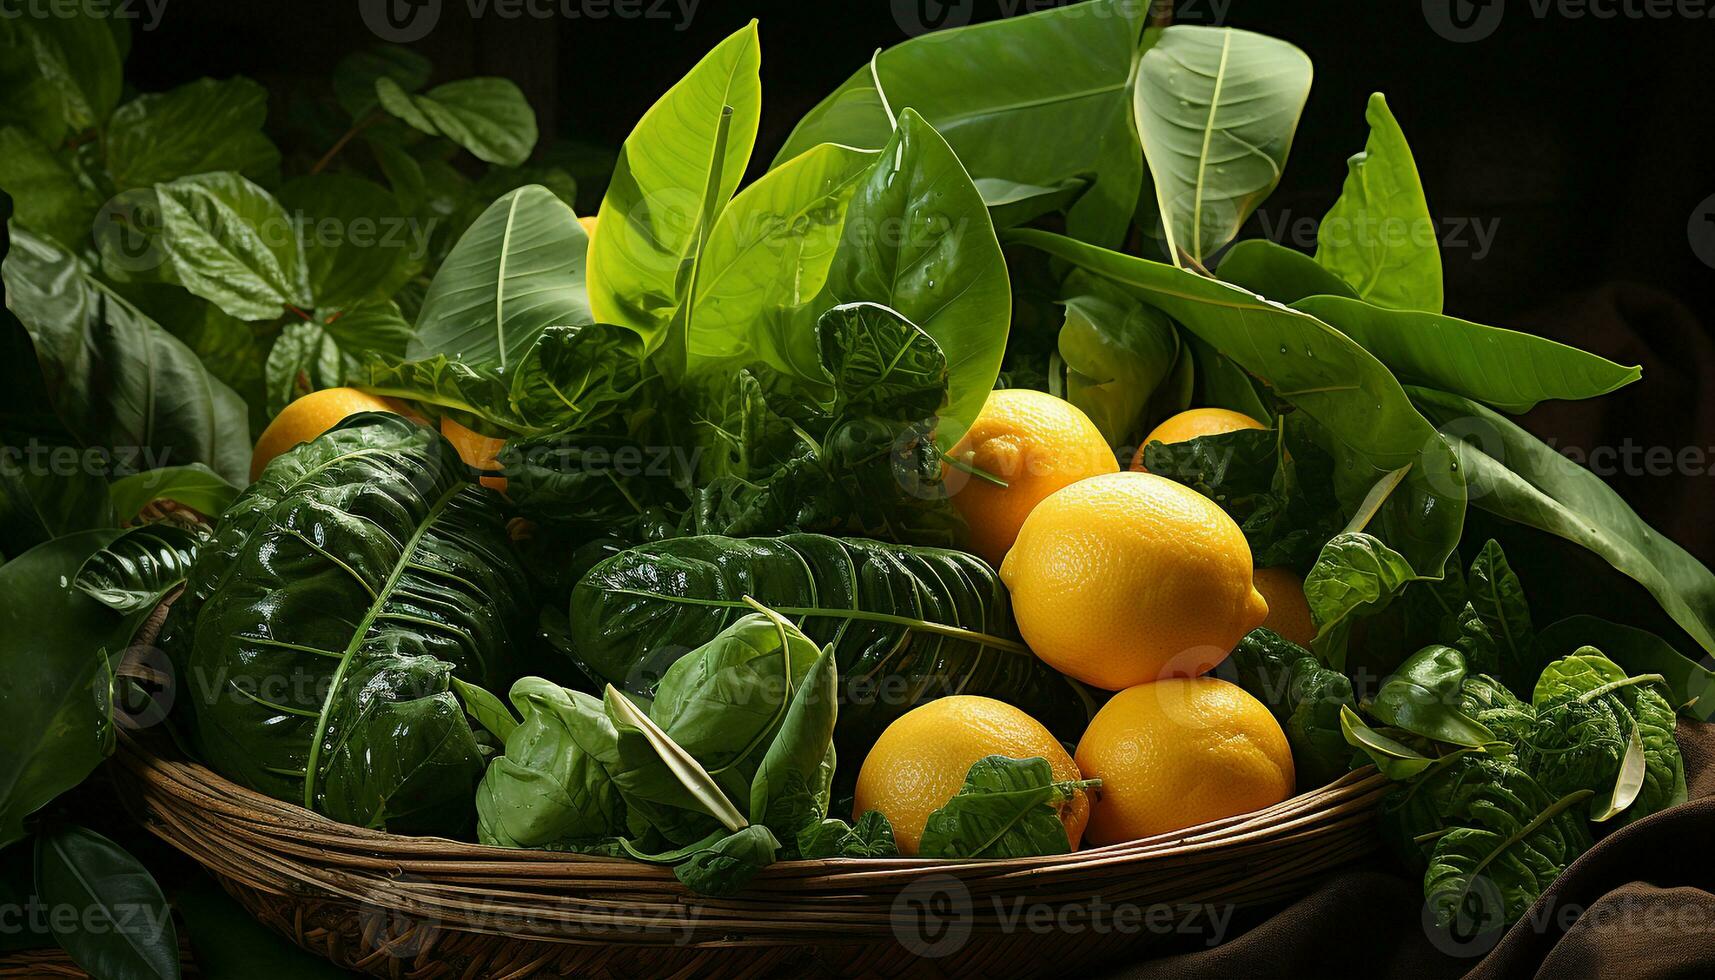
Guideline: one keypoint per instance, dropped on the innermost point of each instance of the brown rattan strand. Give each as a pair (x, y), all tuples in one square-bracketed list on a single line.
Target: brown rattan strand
[(433, 909)]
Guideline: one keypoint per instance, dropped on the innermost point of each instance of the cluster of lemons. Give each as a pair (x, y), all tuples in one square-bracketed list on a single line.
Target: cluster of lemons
[(1127, 582)]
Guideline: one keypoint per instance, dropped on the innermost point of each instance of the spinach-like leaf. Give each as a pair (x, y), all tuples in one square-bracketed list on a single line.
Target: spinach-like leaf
[(1392, 756), (1037, 100), (1478, 878), (1458, 356), (1539, 487), (115, 377), (1690, 684), (135, 571), (677, 169), (123, 927), (516, 272), (1355, 575), (57, 692), (1498, 600), (792, 785), (1379, 236), (918, 240), (328, 350), (1463, 789), (871, 836), (1489, 703), (1007, 808), (323, 668), (1216, 109), (908, 624), (1304, 695), (551, 788), (1423, 697)]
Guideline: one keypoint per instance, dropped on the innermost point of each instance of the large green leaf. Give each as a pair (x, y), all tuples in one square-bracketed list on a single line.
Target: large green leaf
[(49, 198), (1007, 808), (116, 378), (1116, 350), (908, 624), (1379, 236), (516, 272), (325, 666), (192, 485), (56, 691), (550, 787), (198, 128), (678, 168), (232, 244), (1516, 476), (767, 260), (1691, 684), (1282, 274), (123, 927), (329, 350), (1504, 368), (1322, 371), (359, 245), (45, 493), (487, 116), (1216, 109), (135, 571), (1032, 101), (355, 75), (918, 240)]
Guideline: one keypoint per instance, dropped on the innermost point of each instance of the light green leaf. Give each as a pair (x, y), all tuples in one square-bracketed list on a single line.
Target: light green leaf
[(1282, 274), (232, 244), (516, 272), (748, 307), (1356, 575), (1216, 109), (1041, 100), (192, 485), (487, 116), (1466, 358), (1117, 350), (678, 168), (1691, 684), (198, 128), (1379, 236)]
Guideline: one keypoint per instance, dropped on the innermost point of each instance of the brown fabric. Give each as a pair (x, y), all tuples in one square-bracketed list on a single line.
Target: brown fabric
[(1640, 904)]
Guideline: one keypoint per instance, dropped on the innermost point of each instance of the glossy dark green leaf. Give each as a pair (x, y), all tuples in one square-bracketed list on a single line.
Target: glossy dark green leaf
[(551, 788), (323, 669), (91, 345), (67, 69), (124, 928), (198, 128), (1519, 478), (871, 836), (1394, 758), (915, 623), (1304, 695), (791, 787), (1355, 575), (1033, 100), (1498, 599), (1379, 236), (1422, 697), (135, 571), (725, 866), (233, 244), (46, 493), (1007, 808), (1478, 877), (330, 349), (57, 692)]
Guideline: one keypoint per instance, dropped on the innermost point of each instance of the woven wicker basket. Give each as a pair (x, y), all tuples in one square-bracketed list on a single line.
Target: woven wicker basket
[(430, 908)]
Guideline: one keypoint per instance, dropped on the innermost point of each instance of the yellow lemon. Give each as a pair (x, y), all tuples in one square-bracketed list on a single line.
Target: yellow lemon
[(477, 450), (1181, 752), (1192, 423), (308, 417), (920, 762), (1036, 444), (1288, 611), (1128, 578)]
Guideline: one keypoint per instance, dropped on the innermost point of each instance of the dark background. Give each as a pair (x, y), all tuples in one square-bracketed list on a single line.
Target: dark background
[(1574, 140)]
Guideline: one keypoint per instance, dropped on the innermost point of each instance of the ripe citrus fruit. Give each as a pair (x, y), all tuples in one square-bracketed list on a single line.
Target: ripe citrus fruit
[(920, 762), (1128, 578), (308, 417), (1288, 612), (1190, 424), (1037, 444), (1180, 752), (476, 449)]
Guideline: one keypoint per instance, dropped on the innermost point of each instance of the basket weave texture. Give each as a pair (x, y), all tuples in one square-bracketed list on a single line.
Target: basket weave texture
[(413, 907)]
